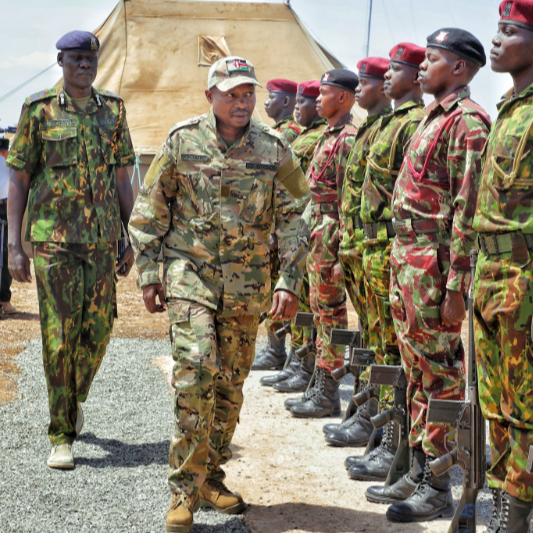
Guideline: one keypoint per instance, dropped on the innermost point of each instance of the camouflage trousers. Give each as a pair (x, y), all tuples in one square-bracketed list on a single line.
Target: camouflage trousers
[(432, 354), (503, 304), (376, 265), (275, 266), (213, 355), (301, 337), (327, 297), (76, 291)]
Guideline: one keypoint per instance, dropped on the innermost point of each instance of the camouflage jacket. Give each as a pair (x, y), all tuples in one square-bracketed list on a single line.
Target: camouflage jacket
[(209, 209), (385, 158), (504, 201), (304, 145), (289, 128), (443, 185), (353, 184), (71, 159)]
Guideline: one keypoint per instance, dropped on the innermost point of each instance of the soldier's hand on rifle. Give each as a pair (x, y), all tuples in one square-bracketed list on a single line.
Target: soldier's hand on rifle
[(452, 309), (336, 272), (19, 265), (150, 293), (284, 305), (127, 259)]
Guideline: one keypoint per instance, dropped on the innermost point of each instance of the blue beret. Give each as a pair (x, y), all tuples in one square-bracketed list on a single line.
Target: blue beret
[(460, 42), (82, 41), (340, 77)]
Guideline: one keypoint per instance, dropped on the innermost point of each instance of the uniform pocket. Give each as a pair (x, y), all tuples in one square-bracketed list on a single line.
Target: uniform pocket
[(106, 144), (255, 202), (60, 147)]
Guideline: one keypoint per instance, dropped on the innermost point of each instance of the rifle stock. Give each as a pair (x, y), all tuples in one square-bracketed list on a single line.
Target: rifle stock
[(285, 330), (305, 320)]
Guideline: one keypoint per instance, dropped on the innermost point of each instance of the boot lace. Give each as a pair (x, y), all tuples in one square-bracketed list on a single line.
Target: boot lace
[(494, 524), (504, 515)]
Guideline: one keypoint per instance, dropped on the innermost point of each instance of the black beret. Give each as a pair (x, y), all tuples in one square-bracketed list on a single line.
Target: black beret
[(460, 42), (340, 77), (81, 41)]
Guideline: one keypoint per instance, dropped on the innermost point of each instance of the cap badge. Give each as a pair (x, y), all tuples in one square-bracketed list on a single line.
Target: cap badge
[(325, 77), (399, 53), (300, 90), (94, 45), (237, 65), (362, 70), (442, 36), (507, 9)]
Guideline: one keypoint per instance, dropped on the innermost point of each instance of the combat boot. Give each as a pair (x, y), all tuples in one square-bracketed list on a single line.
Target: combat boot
[(515, 514), (357, 430), (300, 380), (273, 357), (216, 495), (180, 513), (286, 373), (405, 486), (375, 465), (494, 524), (61, 457), (324, 400), (432, 498)]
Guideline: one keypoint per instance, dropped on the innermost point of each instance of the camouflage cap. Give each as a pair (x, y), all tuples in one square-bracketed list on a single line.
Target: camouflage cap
[(230, 72)]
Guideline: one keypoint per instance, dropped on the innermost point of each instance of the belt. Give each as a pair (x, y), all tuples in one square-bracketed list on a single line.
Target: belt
[(410, 226), (501, 243), (3, 202), (371, 230), (328, 207)]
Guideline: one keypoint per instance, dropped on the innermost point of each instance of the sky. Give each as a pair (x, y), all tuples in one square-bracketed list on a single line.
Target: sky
[(31, 28)]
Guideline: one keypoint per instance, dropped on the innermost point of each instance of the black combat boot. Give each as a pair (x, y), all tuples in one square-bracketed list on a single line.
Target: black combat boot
[(431, 499), (289, 370), (291, 402), (273, 357), (324, 401), (338, 426), (494, 524), (375, 465), (300, 380), (405, 486), (515, 514), (357, 430)]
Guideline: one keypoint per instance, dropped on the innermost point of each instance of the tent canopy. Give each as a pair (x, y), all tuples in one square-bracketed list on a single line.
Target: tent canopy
[(156, 55)]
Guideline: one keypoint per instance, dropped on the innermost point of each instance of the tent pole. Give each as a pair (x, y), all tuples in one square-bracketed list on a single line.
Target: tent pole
[(369, 27)]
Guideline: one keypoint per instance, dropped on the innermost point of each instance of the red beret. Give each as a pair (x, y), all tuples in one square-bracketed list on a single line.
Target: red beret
[(282, 86), (373, 67), (311, 89), (409, 54), (519, 12)]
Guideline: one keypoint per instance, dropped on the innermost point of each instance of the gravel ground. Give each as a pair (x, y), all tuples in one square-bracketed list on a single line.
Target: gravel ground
[(119, 483)]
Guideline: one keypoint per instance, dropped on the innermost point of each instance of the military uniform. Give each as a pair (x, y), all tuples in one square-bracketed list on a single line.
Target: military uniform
[(289, 128), (73, 224), (209, 208)]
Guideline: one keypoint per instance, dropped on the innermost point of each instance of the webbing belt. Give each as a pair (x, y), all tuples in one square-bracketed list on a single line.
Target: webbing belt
[(407, 227), (501, 243), (371, 230)]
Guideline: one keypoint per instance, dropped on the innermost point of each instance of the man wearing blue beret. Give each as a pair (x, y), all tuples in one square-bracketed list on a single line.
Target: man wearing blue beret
[(69, 162)]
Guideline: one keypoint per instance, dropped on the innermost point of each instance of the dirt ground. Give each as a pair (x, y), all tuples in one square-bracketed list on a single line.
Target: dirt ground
[(281, 465)]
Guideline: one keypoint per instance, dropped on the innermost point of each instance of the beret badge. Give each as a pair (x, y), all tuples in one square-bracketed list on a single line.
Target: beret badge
[(507, 9)]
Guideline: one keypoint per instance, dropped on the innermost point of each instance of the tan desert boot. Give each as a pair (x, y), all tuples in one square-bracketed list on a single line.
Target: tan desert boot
[(79, 420), (61, 457), (216, 495), (180, 513)]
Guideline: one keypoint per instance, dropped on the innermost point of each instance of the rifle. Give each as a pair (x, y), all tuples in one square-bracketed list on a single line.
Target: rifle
[(470, 451), (394, 376), (305, 320), (122, 245), (3, 225), (285, 330)]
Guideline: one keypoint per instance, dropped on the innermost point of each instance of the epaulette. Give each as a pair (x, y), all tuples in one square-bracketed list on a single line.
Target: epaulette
[(184, 123), (105, 92), (473, 108), (270, 131), (41, 95)]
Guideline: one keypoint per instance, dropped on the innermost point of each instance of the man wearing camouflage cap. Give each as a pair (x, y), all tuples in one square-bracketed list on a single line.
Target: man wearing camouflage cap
[(208, 202), (503, 287), (71, 153)]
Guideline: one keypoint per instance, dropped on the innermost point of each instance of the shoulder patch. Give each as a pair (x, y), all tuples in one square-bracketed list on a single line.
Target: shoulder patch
[(105, 92), (184, 123), (41, 95)]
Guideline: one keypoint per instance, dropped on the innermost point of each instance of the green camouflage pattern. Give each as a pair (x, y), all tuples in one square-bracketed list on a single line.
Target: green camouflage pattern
[(209, 209), (76, 291), (289, 128), (327, 297), (304, 145), (212, 355), (69, 155)]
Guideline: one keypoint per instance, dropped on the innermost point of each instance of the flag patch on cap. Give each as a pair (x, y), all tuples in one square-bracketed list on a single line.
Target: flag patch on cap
[(237, 65)]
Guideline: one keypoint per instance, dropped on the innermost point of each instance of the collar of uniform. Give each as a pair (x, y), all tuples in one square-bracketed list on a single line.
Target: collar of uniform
[(283, 121), (91, 106), (509, 97), (211, 122), (449, 102), (409, 105), (346, 119), (370, 119), (318, 124)]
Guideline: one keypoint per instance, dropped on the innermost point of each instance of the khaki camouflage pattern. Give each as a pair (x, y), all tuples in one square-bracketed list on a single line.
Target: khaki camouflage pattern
[(210, 208), (304, 145), (69, 154), (327, 297), (271, 326), (289, 128), (76, 290), (503, 298), (213, 355)]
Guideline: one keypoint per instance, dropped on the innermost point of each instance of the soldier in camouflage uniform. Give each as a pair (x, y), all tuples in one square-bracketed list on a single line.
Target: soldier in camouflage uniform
[(297, 374), (503, 297), (208, 202), (384, 160), (327, 291), (356, 429), (433, 205), (70, 152)]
